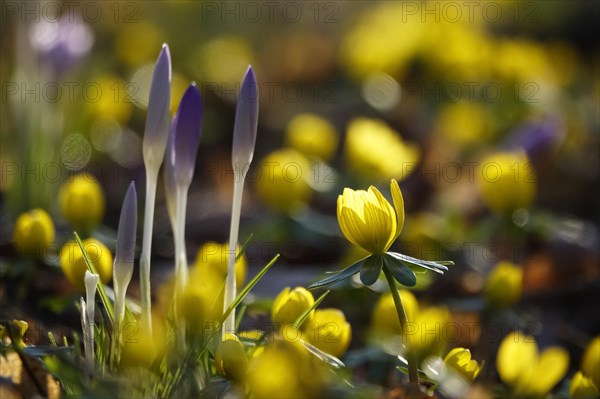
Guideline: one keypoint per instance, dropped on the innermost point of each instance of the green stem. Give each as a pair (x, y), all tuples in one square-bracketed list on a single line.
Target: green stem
[(411, 358), (151, 178)]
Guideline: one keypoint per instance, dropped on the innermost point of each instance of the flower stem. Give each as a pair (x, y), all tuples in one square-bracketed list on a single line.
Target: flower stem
[(413, 374), (181, 272), (230, 287), (151, 177)]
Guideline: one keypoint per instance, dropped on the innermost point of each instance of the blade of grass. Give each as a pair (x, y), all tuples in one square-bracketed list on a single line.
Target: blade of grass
[(305, 314), (243, 247), (105, 301)]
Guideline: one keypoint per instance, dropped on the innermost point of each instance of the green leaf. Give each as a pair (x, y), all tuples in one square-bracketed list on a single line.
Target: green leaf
[(436, 266), (243, 248), (371, 269), (324, 357), (107, 304), (339, 276), (400, 271), (305, 314)]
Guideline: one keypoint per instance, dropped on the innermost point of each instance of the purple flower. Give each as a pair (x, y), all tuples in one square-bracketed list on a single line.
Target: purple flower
[(157, 118), (186, 136), (125, 248), (246, 122)]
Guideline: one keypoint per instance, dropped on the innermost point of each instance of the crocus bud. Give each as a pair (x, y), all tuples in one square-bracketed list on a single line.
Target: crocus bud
[(459, 360), (82, 202), (157, 118), (91, 283), (169, 177), (504, 285), (125, 250), (290, 304), (329, 331), (246, 123), (187, 125), (34, 231), (230, 359)]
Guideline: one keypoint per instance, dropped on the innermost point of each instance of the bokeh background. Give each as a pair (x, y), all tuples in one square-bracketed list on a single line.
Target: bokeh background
[(352, 94)]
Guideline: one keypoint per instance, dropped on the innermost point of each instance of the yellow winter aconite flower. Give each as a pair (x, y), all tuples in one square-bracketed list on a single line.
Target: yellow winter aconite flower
[(504, 285), (582, 387), (283, 183), (506, 181), (34, 231), (428, 332), (459, 359), (368, 220), (285, 369), (140, 348), (329, 331), (73, 264), (212, 255), (111, 96), (590, 366), (82, 202), (463, 122), (230, 359), (385, 319), (312, 135), (290, 304), (528, 372), (374, 151)]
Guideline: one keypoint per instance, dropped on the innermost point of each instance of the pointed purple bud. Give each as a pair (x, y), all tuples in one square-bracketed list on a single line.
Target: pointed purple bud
[(169, 176), (188, 123), (157, 118), (246, 122), (125, 248)]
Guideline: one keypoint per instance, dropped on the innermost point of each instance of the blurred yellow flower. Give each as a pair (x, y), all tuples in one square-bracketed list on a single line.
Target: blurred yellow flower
[(283, 183), (524, 61), (202, 299), (214, 256), (138, 43), (368, 220), (312, 135), (179, 85), (504, 285), (374, 151), (73, 264), (385, 39), (428, 332), (140, 348), (385, 319), (463, 122), (34, 232), (230, 359), (285, 369), (590, 366), (459, 360), (110, 96), (82, 202), (506, 181), (223, 61), (528, 372), (329, 331), (290, 304), (582, 387)]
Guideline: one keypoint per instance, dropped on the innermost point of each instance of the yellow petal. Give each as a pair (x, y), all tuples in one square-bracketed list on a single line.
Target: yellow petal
[(399, 205), (516, 354), (551, 368)]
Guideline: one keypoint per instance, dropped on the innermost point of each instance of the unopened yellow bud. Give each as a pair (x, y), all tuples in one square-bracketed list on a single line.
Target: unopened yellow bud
[(283, 182), (290, 304), (230, 359), (73, 263), (312, 135), (504, 285), (82, 202), (590, 365), (34, 231), (329, 331), (506, 181)]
